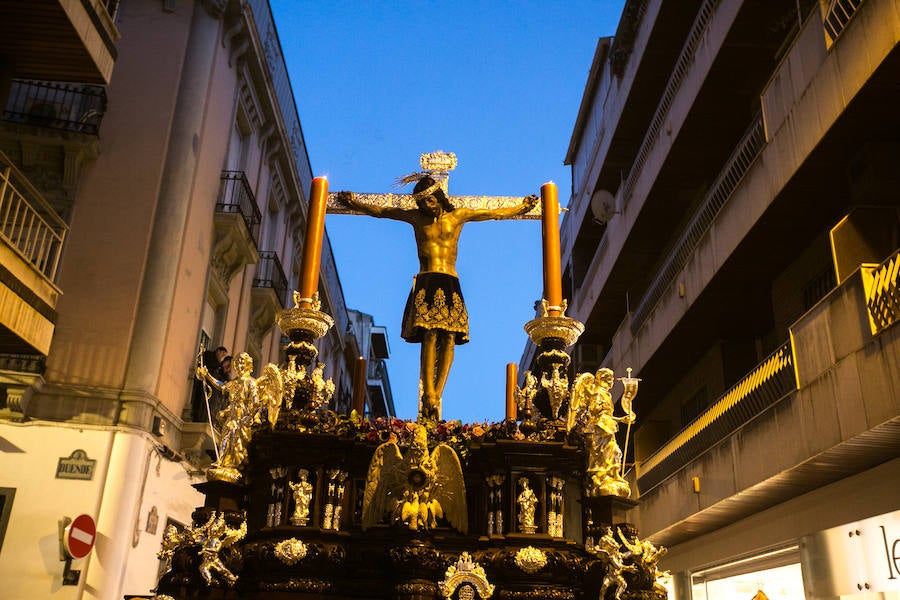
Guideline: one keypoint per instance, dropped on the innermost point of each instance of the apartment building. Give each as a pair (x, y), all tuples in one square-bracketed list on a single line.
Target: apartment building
[(732, 237), (152, 203), (378, 399)]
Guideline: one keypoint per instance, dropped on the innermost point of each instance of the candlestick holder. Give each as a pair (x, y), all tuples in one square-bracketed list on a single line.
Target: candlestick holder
[(303, 326), (552, 335)]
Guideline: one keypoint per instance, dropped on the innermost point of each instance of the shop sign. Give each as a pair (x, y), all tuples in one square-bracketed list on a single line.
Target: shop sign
[(75, 466), (859, 557)]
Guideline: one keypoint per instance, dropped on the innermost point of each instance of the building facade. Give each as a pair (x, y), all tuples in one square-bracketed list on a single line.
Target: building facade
[(374, 348), (732, 237), (154, 181)]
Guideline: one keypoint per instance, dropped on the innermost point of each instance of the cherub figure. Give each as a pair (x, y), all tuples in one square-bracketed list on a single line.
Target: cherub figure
[(214, 537), (645, 557), (607, 549)]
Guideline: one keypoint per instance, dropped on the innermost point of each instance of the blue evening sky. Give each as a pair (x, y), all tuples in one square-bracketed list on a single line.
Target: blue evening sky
[(499, 84)]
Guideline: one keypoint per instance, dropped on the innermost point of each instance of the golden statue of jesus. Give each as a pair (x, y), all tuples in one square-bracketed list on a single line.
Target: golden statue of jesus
[(435, 314)]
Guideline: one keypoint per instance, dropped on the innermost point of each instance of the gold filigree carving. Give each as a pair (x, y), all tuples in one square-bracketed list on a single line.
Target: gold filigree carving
[(290, 551), (407, 202), (440, 315), (562, 328), (465, 572), (530, 559)]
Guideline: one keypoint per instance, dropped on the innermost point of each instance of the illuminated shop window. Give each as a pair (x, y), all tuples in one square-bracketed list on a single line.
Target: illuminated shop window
[(771, 576), (780, 583)]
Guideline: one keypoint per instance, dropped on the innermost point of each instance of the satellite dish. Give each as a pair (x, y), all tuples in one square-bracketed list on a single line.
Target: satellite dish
[(603, 206)]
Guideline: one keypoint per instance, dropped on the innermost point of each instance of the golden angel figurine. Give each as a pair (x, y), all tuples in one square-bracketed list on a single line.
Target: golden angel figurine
[(592, 406), (213, 537), (249, 400), (607, 549), (417, 488)]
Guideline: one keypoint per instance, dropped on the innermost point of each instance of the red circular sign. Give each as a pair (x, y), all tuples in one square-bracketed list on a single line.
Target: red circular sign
[(80, 535)]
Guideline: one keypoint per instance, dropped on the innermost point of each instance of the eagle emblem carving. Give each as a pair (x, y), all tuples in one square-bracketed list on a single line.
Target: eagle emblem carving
[(415, 489)]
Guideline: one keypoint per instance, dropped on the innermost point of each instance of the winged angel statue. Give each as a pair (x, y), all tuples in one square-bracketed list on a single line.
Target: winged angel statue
[(249, 401), (416, 489), (593, 407)]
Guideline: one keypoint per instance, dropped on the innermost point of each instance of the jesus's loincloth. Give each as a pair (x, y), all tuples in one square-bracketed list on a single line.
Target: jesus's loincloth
[(435, 302)]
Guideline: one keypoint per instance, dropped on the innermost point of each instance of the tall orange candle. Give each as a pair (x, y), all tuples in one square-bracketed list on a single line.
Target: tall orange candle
[(512, 377), (312, 244), (359, 387), (550, 238)]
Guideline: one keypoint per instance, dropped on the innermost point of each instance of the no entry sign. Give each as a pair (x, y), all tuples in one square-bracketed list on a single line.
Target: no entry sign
[(79, 536)]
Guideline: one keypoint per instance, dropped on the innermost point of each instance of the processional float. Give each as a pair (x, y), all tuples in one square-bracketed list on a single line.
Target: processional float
[(304, 502)]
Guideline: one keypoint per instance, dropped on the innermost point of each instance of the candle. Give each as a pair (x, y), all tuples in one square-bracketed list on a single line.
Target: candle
[(359, 386), (512, 376), (550, 237), (312, 244)]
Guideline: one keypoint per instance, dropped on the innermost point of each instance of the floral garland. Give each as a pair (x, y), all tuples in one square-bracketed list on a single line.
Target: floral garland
[(458, 435)]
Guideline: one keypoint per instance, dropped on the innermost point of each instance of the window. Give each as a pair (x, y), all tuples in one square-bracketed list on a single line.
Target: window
[(771, 575), (6, 502)]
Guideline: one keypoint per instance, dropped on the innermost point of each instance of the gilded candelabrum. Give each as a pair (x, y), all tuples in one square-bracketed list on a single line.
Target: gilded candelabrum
[(303, 326), (552, 335)]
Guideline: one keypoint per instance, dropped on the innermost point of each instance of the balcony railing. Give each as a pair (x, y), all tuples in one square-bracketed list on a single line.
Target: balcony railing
[(683, 64), (838, 16), (270, 274), (623, 42), (883, 294), (236, 197), (27, 222), (65, 106), (720, 191), (760, 389), (23, 363)]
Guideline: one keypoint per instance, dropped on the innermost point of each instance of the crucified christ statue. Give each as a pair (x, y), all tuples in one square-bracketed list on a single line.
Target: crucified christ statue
[(435, 314)]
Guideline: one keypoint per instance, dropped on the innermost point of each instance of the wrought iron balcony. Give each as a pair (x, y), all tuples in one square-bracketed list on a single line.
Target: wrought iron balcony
[(64, 106), (27, 222), (762, 387), (270, 274), (236, 197)]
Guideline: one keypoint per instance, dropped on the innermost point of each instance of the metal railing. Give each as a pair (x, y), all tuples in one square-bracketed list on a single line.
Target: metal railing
[(737, 165), (679, 72), (838, 16), (883, 294), (65, 106), (758, 390), (236, 197), (623, 42), (28, 223), (270, 274)]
